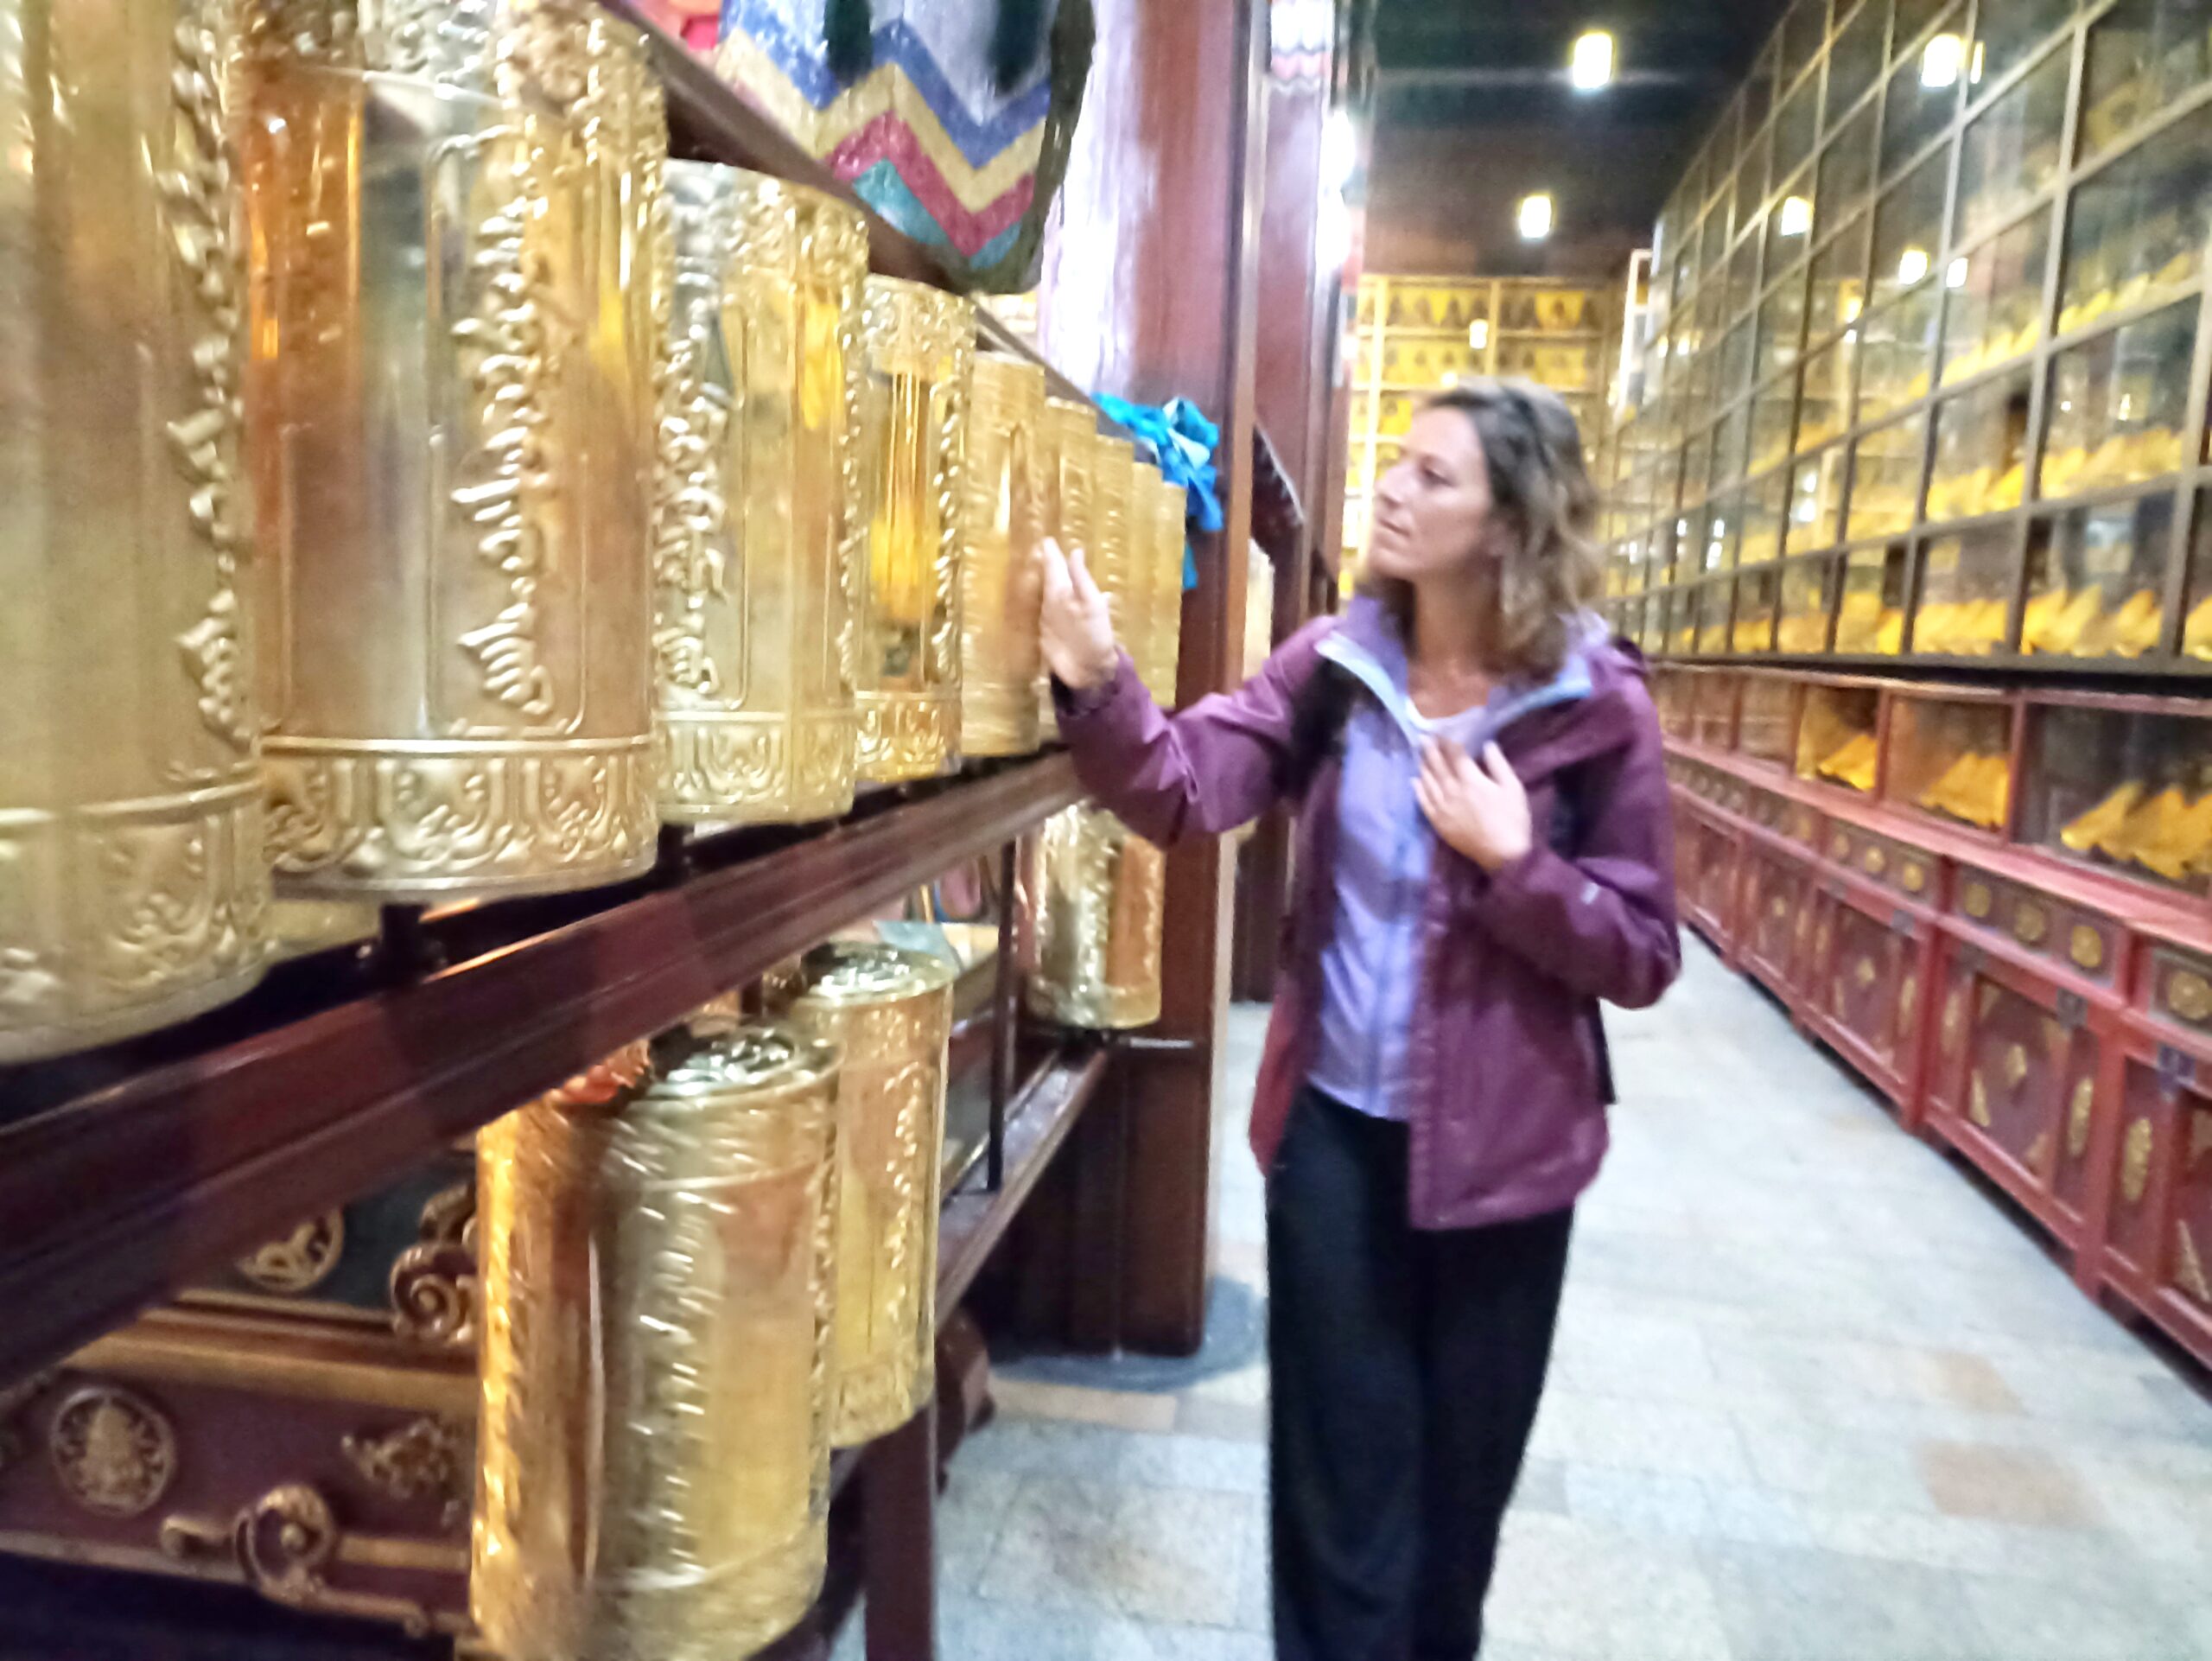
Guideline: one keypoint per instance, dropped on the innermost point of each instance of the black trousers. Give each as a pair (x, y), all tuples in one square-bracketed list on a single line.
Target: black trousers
[(1406, 1369)]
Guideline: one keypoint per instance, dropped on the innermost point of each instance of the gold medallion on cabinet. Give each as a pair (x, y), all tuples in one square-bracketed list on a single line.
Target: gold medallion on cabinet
[(658, 1291), (450, 423), (133, 890), (114, 1451), (920, 345), (761, 534), (890, 1012), (1097, 894), (1001, 523)]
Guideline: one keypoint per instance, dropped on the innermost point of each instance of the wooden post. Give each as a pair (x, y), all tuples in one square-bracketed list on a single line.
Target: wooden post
[(899, 1535), (1151, 290)]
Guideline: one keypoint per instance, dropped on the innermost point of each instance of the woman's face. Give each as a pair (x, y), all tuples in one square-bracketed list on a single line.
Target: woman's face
[(1432, 508)]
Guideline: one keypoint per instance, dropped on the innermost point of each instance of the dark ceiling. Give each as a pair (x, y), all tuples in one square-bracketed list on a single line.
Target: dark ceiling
[(1474, 112)]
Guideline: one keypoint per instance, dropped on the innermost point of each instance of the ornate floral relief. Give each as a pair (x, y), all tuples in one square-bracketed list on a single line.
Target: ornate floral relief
[(2135, 1161), (2078, 1111), (427, 1459), (176, 901), (300, 1261), (434, 1282), (284, 1543), (906, 736), (2189, 1267)]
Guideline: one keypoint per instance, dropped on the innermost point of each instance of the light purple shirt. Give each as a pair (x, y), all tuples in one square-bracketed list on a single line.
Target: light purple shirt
[(1384, 849)]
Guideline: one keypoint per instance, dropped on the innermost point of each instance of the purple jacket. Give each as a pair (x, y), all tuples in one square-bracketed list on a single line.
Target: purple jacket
[(1506, 1079)]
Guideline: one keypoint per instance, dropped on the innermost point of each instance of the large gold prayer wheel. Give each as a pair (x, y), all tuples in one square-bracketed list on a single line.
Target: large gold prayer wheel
[(133, 890), (1000, 661), (653, 1449), (1162, 506), (762, 544), (450, 423), (1095, 897), (1113, 546), (1070, 456), (920, 343), (891, 1012)]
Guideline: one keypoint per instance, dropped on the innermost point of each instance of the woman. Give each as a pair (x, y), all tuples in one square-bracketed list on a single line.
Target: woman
[(1485, 852)]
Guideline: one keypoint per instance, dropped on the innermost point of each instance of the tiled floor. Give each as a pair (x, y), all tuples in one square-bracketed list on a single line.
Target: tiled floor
[(1815, 1397)]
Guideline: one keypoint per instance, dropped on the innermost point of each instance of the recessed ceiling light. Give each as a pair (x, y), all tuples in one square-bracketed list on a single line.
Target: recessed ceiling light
[(1796, 216), (1592, 65), (1941, 60), (1535, 217)]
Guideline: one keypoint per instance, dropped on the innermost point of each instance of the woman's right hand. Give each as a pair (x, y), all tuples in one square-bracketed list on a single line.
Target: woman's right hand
[(1075, 627)]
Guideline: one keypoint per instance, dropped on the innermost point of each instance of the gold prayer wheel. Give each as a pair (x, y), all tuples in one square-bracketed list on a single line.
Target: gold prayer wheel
[(760, 560), (890, 1011), (133, 890), (921, 342), (450, 412), (1071, 452), (1112, 552), (1095, 897), (1164, 506), (1000, 666), (653, 1449)]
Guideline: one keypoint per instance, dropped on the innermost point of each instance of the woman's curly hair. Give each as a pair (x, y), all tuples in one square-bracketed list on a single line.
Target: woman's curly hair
[(1540, 487)]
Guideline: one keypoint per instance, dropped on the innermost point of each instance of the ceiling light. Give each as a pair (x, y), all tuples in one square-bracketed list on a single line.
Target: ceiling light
[(1479, 334), (1956, 277), (1592, 65), (1941, 60), (1796, 216), (1912, 265), (1535, 217), (1339, 151)]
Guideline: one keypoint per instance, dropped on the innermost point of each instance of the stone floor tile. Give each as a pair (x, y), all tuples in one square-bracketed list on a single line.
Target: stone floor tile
[(1568, 1589), (2004, 1484), (1780, 1605), (1204, 1416), (971, 1513), (2026, 1622), (1167, 1554), (1118, 1410), (1642, 1435)]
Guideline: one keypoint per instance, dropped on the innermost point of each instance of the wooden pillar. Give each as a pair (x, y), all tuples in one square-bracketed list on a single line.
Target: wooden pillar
[(1151, 291)]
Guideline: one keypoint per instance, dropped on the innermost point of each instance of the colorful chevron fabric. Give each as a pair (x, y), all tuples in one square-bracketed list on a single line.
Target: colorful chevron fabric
[(924, 138)]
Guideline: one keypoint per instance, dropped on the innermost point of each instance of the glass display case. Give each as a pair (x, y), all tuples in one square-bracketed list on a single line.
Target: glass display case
[(1672, 691), (2005, 34), (1802, 31), (1735, 369), (1922, 96), (1743, 276), (1762, 507), (1855, 56), (1826, 386), (1790, 228), (1797, 126), (1764, 728), (2011, 151), (1886, 480), (2143, 55), (1731, 447), (1966, 594), (1870, 610), (1756, 594), (1838, 294), (1909, 228), (1782, 328), (1807, 599), (1713, 608), (1816, 502), (1839, 736), (2121, 785), (2196, 621), (1981, 443), (1773, 408), (2140, 226), (1993, 305), (1752, 178), (1846, 176), (2096, 581), (1952, 757), (2120, 405), (1897, 352)]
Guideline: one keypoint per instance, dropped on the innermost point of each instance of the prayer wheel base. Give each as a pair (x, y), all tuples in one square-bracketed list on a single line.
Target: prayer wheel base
[(903, 735)]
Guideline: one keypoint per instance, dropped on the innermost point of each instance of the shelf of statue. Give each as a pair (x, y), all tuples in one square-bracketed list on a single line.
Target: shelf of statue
[(2165, 833), (1974, 789), (1854, 763), (1959, 628), (2063, 624)]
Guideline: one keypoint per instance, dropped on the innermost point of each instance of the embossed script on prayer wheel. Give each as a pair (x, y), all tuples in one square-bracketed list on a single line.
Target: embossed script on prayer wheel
[(450, 410), (891, 1012), (1070, 456), (760, 562), (920, 342), (1113, 565), (1165, 507), (1097, 896), (133, 890), (653, 1445), (1000, 662)]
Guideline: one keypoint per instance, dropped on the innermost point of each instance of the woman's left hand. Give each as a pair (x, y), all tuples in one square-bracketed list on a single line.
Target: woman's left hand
[(1478, 809)]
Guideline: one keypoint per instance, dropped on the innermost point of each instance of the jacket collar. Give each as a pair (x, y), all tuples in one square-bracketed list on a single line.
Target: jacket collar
[(1587, 708)]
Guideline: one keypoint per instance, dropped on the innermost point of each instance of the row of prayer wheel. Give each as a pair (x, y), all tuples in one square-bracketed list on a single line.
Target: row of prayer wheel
[(416, 486), (705, 1264)]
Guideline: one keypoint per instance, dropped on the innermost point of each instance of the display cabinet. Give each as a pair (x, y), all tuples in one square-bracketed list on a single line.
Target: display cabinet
[(1951, 755), (1839, 735), (2122, 786), (1981, 450), (1993, 307), (1871, 602), (1416, 335), (1966, 594), (2096, 579)]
